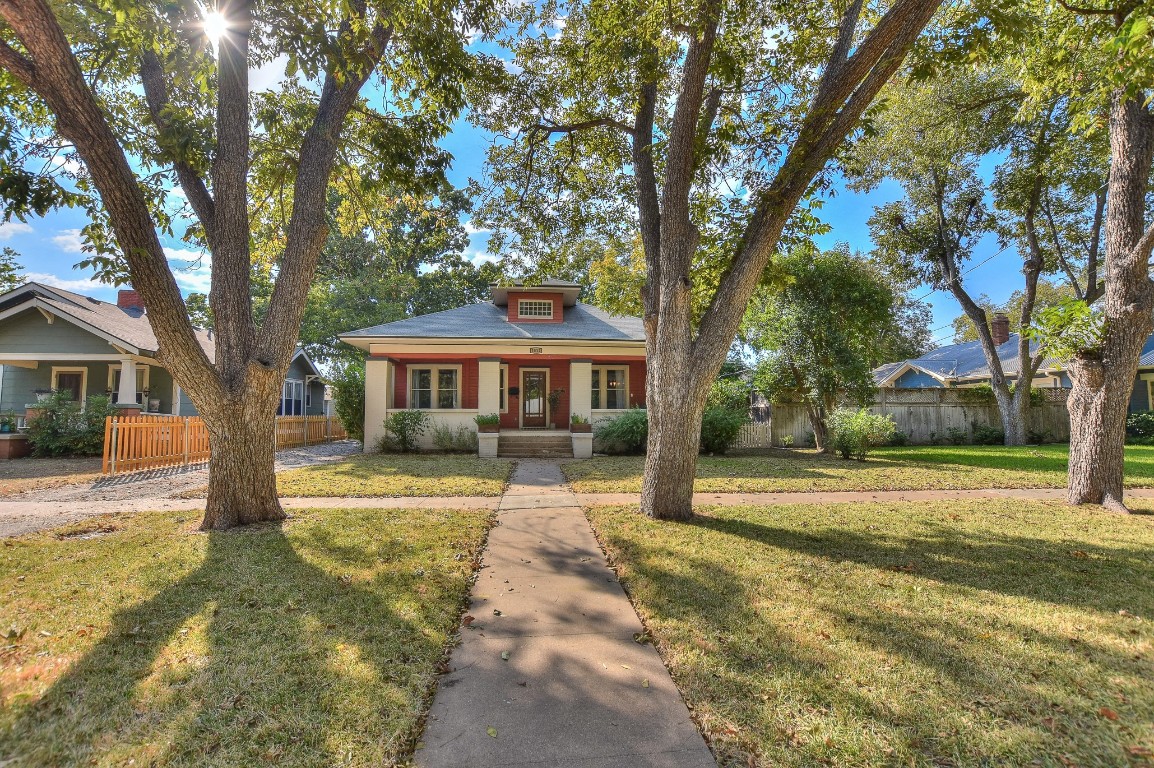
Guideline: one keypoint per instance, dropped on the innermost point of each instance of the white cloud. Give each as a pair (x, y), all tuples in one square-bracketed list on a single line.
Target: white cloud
[(10, 229), (79, 286), (68, 164), (268, 76), (480, 257), (192, 269), (472, 230), (69, 241)]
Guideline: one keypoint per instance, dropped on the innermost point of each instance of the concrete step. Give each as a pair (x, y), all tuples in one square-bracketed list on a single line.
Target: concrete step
[(535, 454)]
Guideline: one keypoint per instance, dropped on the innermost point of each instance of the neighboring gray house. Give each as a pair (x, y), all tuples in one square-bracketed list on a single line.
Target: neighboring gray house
[(52, 339), (964, 365)]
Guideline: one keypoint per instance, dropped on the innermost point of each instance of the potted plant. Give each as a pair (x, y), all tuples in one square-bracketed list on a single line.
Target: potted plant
[(41, 394), (578, 423), (7, 423), (554, 399), (488, 422)]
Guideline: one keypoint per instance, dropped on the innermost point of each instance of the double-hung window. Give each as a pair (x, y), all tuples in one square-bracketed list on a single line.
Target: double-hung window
[(610, 388), (535, 308), (504, 388), (435, 388)]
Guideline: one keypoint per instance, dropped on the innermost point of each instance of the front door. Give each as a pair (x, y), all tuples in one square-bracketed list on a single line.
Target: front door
[(533, 402)]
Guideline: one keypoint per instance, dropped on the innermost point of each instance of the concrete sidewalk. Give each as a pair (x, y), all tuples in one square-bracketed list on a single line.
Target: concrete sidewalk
[(548, 672)]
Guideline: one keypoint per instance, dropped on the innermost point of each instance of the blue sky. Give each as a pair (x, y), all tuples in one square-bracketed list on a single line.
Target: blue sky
[(50, 247)]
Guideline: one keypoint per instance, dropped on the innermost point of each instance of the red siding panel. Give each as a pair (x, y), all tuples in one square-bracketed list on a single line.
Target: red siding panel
[(556, 298)]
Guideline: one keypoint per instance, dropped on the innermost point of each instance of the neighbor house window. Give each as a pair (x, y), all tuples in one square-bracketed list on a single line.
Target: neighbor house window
[(435, 388), (141, 382), (535, 308), (292, 398), (610, 388)]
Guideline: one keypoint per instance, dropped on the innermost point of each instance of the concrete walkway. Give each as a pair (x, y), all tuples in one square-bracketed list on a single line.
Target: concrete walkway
[(548, 672), (852, 497)]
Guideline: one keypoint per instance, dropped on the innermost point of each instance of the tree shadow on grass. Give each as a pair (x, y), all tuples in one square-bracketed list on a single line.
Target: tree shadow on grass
[(818, 660), (258, 656)]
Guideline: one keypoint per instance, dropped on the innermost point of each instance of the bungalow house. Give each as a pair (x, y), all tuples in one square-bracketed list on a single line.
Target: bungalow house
[(534, 355), (52, 339), (964, 365)]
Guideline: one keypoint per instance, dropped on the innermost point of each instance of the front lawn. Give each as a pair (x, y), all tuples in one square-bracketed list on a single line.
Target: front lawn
[(888, 469), (141, 641), (29, 474), (932, 634), (393, 475)]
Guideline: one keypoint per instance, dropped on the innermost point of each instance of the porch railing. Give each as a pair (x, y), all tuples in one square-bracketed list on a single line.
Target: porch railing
[(134, 443)]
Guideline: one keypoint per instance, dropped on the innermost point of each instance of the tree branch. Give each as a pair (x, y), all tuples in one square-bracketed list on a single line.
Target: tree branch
[(156, 94), (598, 122), (20, 67)]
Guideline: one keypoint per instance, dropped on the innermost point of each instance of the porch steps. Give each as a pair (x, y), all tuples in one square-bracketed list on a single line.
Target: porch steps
[(528, 445)]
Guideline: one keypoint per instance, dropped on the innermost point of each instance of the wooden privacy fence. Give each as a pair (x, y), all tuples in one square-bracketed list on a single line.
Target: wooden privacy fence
[(926, 416), (134, 443)]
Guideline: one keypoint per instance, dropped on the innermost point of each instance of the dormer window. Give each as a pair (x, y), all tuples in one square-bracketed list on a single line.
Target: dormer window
[(535, 309)]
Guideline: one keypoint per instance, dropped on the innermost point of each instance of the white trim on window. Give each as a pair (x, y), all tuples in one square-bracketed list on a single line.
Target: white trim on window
[(601, 390), (435, 389), (292, 391), (503, 387), (58, 369), (537, 309)]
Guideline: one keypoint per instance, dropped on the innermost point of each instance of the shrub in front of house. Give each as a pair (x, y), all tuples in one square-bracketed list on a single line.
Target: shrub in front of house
[(720, 427), (628, 434), (402, 431), (1140, 428), (63, 428), (454, 440), (625, 434), (854, 433)]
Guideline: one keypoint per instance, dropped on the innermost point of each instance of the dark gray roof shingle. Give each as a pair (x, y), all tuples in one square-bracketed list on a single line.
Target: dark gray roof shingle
[(130, 326), (486, 321)]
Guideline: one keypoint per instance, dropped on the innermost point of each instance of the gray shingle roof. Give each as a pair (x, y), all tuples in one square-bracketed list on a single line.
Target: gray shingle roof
[(130, 326), (968, 361), (582, 322)]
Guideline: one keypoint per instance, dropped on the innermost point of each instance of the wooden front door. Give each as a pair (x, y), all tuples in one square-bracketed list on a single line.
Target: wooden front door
[(70, 383), (534, 389)]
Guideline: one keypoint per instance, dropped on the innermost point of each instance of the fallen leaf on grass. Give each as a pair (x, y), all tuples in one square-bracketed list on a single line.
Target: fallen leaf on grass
[(1078, 554), (1139, 751), (1108, 713)]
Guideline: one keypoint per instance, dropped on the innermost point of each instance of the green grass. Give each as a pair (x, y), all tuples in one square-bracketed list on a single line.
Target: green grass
[(931, 634), (393, 475), (888, 469), (141, 641)]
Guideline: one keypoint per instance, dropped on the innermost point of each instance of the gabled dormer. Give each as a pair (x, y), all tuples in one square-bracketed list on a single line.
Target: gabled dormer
[(541, 303)]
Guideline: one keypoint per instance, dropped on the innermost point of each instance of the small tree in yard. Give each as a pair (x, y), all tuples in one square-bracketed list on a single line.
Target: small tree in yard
[(142, 99), (816, 335), (700, 126)]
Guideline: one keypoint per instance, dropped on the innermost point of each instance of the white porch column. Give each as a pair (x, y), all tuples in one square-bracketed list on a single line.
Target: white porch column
[(581, 387), (378, 397), (126, 394), (488, 385)]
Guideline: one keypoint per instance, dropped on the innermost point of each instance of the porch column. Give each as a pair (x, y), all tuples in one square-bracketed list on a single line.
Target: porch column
[(378, 396), (581, 404), (126, 394), (488, 385), (581, 387)]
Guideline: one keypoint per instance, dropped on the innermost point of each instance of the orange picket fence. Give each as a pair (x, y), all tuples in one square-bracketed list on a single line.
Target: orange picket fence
[(133, 443)]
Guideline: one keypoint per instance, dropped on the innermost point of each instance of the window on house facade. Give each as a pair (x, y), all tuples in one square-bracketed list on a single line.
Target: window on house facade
[(141, 382), (292, 398), (435, 388), (610, 388), (504, 388), (535, 308)]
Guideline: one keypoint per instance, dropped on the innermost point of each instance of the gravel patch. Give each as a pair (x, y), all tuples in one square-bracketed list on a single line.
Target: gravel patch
[(176, 482)]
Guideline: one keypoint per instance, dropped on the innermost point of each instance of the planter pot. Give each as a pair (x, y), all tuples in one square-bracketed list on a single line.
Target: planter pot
[(580, 427), (42, 395), (488, 428)]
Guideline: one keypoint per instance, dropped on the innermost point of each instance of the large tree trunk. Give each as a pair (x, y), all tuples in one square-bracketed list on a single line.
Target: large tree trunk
[(241, 480), (671, 458), (1013, 420), (1103, 378)]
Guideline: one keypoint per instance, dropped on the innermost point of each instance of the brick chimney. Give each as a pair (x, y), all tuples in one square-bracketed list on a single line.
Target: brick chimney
[(1000, 328), (129, 300)]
